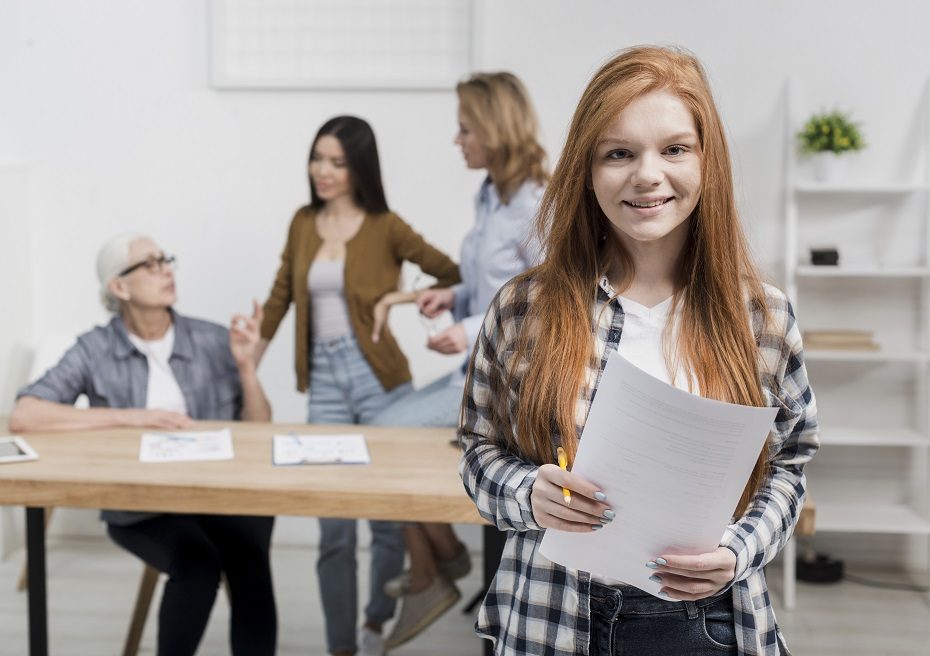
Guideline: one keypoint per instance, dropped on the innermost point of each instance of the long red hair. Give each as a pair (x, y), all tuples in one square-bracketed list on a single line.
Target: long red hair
[(716, 275)]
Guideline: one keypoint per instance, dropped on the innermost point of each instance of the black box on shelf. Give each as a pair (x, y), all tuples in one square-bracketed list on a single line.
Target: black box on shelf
[(825, 256)]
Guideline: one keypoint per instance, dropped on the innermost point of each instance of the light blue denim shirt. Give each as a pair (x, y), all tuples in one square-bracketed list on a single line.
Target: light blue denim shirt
[(500, 246), (113, 373)]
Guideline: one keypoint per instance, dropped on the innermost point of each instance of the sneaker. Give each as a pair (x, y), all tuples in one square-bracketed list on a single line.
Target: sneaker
[(453, 569), (370, 643), (457, 567), (420, 609), (398, 586)]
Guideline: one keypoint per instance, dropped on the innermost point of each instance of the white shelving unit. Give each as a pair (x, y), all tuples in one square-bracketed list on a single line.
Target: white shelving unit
[(861, 394)]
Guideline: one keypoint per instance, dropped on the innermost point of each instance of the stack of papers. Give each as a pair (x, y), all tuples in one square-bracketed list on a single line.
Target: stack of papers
[(186, 446), (320, 450), (673, 466)]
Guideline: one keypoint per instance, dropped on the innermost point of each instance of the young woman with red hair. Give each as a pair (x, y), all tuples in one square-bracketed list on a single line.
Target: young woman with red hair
[(644, 255)]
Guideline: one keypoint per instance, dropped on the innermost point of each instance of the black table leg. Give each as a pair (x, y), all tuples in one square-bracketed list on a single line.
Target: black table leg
[(35, 570)]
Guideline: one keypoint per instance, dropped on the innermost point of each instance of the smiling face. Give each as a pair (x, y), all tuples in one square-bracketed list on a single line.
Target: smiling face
[(329, 169), (646, 172), (467, 140)]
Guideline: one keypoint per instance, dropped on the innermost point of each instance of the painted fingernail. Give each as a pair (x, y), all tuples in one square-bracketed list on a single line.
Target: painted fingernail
[(596, 527), (661, 561), (605, 521), (663, 593), (600, 496), (655, 578), (609, 514), (651, 565)]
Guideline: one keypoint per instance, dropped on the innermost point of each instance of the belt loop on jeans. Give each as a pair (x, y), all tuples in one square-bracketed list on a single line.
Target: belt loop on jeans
[(691, 609)]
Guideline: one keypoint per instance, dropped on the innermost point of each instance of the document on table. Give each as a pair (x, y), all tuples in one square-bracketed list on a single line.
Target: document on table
[(186, 446), (348, 449), (673, 466)]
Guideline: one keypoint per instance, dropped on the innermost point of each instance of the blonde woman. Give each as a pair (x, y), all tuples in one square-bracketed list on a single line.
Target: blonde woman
[(644, 255), (498, 133)]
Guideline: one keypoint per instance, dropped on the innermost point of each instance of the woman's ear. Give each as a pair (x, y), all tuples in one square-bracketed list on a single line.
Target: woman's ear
[(119, 289)]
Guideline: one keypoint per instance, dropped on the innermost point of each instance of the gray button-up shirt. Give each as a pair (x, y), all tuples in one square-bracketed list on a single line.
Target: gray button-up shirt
[(113, 373)]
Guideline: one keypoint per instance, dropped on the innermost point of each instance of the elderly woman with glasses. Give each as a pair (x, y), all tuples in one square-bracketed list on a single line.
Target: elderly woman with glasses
[(152, 367)]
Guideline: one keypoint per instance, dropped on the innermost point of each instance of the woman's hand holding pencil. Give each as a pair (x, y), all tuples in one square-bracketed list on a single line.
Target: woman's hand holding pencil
[(563, 465), (567, 502)]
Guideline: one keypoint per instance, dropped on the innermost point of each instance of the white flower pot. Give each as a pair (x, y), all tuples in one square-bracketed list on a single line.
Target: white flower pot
[(829, 166)]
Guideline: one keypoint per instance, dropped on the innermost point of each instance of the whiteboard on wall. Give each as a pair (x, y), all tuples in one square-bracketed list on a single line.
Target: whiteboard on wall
[(340, 44)]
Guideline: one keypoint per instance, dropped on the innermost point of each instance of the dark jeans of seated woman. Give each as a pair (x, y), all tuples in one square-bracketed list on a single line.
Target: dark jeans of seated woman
[(194, 551)]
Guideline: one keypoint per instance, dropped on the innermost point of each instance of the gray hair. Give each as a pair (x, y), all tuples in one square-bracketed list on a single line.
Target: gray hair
[(112, 258)]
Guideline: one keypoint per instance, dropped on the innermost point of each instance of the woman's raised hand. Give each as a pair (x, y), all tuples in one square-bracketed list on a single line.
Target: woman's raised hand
[(244, 336), (587, 511)]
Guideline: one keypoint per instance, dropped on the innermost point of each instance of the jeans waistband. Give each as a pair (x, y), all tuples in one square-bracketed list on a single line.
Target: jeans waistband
[(628, 600), (336, 344)]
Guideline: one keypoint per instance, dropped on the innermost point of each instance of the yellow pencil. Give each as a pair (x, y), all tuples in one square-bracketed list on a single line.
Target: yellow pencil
[(563, 463)]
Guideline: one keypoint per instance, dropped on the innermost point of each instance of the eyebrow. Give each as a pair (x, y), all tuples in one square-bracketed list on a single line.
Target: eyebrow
[(678, 136)]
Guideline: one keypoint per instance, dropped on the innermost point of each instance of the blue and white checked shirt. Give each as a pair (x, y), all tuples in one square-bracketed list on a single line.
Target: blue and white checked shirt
[(535, 606)]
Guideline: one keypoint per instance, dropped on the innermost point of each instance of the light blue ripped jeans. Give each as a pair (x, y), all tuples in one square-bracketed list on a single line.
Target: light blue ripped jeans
[(344, 390)]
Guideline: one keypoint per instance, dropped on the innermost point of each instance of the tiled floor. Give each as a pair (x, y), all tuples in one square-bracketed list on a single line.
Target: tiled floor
[(92, 586)]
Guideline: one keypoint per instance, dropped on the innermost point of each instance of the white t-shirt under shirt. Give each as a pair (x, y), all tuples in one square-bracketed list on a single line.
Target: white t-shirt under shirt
[(642, 343), (642, 340), (164, 393)]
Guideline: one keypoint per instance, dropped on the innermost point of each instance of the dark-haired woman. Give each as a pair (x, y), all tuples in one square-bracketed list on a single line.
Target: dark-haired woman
[(343, 254)]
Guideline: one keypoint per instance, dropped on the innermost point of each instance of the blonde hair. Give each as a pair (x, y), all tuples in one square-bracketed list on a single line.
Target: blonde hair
[(716, 345), (502, 115), (112, 258)]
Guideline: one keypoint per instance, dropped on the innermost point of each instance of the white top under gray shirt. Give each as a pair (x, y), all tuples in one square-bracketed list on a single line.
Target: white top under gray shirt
[(328, 309), (500, 246), (163, 391)]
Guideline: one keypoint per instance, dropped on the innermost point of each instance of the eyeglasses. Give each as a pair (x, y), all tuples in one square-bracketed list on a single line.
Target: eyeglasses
[(152, 264)]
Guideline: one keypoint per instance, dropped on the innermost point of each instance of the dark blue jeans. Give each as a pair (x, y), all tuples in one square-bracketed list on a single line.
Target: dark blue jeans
[(625, 621)]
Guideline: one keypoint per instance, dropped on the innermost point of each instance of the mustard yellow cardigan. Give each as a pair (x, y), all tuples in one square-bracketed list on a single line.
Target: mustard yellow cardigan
[(372, 269)]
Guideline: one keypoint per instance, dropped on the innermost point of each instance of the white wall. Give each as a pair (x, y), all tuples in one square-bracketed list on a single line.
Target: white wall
[(106, 104)]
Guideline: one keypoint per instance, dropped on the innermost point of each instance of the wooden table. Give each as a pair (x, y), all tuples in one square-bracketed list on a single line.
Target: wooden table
[(413, 476)]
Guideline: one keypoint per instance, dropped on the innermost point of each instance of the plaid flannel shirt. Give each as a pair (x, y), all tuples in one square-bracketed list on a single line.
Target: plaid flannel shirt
[(535, 606)]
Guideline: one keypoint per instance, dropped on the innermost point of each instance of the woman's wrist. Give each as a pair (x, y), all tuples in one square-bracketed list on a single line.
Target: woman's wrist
[(246, 367), (393, 298)]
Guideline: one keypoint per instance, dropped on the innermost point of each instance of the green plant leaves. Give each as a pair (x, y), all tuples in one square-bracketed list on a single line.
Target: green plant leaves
[(831, 131)]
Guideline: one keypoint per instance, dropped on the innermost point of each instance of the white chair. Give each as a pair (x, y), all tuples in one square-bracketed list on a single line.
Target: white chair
[(45, 356)]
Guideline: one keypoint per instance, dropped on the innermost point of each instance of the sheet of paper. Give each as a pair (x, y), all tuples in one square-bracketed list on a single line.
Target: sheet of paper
[(186, 446), (320, 450), (673, 466)]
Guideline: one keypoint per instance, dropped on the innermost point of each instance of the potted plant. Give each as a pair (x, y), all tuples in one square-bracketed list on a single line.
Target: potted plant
[(827, 137)]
